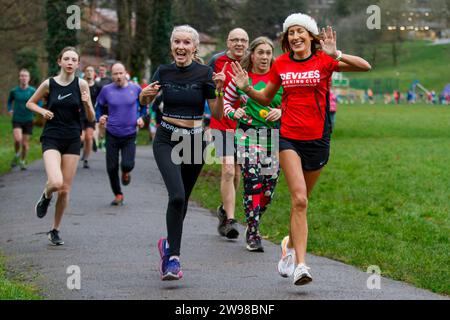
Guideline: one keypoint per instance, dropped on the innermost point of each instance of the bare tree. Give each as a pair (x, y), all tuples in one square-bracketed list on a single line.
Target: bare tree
[(393, 24)]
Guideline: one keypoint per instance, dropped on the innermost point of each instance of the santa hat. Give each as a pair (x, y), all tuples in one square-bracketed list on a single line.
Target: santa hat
[(302, 20)]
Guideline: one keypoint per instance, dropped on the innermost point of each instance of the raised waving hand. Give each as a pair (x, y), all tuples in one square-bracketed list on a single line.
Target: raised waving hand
[(219, 78)]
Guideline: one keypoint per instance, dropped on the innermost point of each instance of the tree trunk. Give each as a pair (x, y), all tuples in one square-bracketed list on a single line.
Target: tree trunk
[(161, 29), (58, 35), (374, 55), (142, 38), (124, 13), (394, 53)]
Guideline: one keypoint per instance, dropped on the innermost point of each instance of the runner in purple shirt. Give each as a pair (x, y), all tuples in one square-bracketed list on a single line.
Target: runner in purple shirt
[(124, 114)]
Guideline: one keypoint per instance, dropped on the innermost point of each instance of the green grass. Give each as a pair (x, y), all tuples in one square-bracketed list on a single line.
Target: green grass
[(15, 289), (7, 144), (383, 199), (417, 60), (143, 137)]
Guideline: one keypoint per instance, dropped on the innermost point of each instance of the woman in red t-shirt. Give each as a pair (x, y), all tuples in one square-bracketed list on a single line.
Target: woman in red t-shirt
[(304, 71)]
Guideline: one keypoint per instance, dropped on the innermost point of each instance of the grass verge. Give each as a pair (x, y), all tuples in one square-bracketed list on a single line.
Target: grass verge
[(383, 199), (14, 288)]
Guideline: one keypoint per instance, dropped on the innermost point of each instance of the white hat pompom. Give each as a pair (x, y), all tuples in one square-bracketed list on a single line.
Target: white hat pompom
[(302, 20)]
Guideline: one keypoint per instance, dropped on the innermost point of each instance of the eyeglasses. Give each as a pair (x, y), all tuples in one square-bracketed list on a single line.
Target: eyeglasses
[(237, 40)]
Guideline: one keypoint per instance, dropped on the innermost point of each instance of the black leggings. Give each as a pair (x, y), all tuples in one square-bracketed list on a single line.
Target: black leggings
[(127, 146), (179, 178)]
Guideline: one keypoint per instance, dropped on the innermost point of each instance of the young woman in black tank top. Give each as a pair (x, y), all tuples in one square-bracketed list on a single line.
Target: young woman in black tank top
[(186, 85), (65, 95)]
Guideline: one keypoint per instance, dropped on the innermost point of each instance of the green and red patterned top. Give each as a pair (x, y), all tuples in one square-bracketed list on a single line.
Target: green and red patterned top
[(255, 114)]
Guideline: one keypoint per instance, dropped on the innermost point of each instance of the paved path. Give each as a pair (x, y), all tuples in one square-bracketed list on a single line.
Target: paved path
[(116, 251)]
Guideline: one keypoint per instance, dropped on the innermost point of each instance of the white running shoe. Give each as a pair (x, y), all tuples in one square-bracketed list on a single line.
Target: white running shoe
[(286, 265), (302, 275)]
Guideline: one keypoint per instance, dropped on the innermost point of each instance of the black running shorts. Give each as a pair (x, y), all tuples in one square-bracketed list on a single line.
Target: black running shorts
[(64, 146), (314, 154), (87, 124), (27, 127)]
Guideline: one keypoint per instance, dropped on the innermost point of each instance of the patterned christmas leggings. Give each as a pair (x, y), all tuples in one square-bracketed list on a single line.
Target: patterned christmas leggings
[(260, 173)]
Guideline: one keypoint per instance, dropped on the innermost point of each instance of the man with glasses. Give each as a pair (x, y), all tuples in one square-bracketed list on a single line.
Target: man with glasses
[(223, 133)]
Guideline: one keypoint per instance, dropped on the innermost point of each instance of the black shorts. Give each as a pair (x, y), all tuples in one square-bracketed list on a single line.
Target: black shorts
[(224, 143), (313, 153), (64, 146), (27, 127), (87, 124)]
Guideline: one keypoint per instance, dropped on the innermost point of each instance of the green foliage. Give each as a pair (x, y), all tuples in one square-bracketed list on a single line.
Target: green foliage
[(58, 35), (28, 58), (161, 28), (342, 8)]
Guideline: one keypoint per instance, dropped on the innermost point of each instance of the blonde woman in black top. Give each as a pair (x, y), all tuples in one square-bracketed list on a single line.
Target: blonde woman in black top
[(186, 85)]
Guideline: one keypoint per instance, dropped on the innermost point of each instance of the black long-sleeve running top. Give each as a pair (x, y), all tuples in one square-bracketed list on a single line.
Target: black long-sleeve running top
[(185, 89)]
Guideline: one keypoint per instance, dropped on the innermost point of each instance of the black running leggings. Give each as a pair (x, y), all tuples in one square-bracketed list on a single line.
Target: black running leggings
[(179, 180), (127, 147)]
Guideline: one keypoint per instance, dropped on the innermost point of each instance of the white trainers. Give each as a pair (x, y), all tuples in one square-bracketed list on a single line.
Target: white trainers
[(286, 265), (302, 275)]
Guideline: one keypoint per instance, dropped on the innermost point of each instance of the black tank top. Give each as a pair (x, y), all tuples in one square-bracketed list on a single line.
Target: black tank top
[(65, 103)]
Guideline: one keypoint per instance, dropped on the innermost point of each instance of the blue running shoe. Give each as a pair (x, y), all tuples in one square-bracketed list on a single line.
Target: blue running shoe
[(173, 270), (169, 269), (163, 247)]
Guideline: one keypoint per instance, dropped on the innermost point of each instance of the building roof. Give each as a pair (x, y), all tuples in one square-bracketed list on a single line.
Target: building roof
[(103, 21), (206, 39)]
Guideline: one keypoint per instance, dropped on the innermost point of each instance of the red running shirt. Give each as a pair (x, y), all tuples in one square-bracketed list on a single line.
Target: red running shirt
[(217, 62), (305, 88)]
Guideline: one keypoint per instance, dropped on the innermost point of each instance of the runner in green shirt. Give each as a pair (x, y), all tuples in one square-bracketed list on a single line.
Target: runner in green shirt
[(22, 118)]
